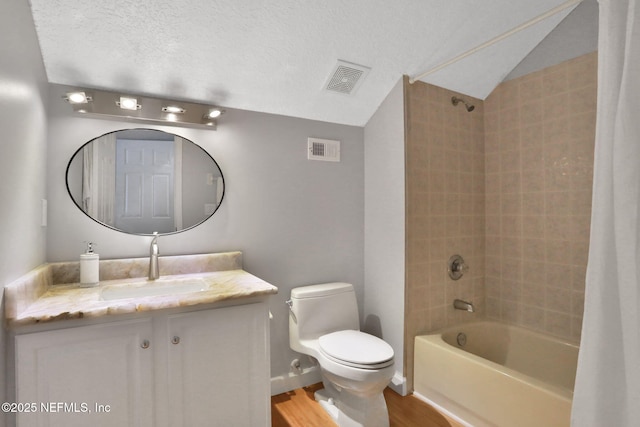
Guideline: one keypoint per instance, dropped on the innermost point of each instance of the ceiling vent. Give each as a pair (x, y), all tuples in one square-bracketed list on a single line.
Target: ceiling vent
[(346, 77)]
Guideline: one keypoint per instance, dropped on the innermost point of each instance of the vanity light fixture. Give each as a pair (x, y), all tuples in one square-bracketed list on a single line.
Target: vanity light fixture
[(128, 103), (101, 103), (77, 98)]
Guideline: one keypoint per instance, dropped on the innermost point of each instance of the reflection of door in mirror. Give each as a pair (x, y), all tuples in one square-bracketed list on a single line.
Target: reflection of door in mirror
[(125, 180), (145, 184)]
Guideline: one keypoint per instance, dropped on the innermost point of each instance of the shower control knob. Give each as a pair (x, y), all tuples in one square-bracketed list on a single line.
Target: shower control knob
[(145, 344), (175, 340), (457, 267)]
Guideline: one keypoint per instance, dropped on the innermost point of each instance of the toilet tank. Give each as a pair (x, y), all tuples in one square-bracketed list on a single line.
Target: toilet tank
[(321, 309)]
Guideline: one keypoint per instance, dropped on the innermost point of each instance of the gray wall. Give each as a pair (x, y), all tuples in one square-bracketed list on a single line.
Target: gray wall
[(23, 151), (575, 36), (384, 221), (195, 190), (298, 222)]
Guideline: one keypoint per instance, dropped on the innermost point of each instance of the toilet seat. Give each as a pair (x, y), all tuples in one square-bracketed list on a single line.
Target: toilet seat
[(356, 349)]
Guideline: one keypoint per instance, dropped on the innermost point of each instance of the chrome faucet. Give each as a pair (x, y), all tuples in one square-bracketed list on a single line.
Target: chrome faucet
[(458, 304), (154, 270)]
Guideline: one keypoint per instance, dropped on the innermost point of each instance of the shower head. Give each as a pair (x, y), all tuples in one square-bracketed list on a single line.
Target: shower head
[(455, 100)]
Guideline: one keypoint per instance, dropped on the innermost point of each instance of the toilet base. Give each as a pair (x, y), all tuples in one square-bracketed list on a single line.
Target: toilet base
[(349, 410)]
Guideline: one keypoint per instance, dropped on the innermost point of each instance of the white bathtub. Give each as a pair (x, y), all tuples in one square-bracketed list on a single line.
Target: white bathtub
[(503, 376)]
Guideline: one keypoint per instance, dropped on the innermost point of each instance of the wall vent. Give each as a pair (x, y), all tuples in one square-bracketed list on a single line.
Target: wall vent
[(323, 149), (346, 78)]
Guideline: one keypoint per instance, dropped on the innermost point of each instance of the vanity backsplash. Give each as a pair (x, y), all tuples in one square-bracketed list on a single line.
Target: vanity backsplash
[(115, 269)]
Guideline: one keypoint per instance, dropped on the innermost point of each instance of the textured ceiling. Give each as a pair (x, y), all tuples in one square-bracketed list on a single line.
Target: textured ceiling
[(275, 57)]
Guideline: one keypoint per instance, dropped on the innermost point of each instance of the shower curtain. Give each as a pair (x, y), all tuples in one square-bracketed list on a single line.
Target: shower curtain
[(98, 178), (607, 391)]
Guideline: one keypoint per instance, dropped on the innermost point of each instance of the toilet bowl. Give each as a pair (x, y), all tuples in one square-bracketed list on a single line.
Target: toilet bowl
[(355, 366)]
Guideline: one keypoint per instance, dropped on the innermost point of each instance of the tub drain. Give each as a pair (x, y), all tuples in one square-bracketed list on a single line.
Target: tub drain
[(461, 339)]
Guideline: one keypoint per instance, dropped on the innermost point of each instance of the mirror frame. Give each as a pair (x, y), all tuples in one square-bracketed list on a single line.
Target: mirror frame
[(224, 186)]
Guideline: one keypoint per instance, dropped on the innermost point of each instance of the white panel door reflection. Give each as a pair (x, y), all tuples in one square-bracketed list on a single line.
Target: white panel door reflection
[(145, 186)]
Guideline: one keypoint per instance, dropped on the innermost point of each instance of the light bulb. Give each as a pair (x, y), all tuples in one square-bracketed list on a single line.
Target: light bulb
[(213, 113), (77, 97), (128, 103)]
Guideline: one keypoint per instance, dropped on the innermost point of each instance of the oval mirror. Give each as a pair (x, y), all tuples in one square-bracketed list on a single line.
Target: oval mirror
[(142, 181)]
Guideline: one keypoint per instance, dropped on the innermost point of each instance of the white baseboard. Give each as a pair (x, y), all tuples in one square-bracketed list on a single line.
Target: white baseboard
[(292, 381), (399, 384)]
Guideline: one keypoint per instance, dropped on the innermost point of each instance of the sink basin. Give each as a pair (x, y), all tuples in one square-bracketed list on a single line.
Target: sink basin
[(155, 288)]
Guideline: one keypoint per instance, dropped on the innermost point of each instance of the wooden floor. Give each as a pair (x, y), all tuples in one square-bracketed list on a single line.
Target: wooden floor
[(298, 408)]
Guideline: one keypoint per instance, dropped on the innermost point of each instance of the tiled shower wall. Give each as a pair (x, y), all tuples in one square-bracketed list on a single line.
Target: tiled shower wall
[(539, 143), (444, 161), (508, 187)]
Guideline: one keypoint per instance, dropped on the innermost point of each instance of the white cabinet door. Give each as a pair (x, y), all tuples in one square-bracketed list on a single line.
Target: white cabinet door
[(98, 375), (218, 367)]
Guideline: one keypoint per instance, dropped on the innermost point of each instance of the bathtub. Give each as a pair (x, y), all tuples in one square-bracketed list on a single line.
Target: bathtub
[(502, 376)]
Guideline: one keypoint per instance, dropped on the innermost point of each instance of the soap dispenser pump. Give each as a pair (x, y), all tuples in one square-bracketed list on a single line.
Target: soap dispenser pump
[(89, 267)]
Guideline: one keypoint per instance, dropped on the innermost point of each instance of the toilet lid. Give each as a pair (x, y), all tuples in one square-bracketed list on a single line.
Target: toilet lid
[(355, 347)]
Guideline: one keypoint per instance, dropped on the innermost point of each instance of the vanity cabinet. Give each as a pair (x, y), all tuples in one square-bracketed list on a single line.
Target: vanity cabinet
[(66, 373), (197, 368), (219, 369)]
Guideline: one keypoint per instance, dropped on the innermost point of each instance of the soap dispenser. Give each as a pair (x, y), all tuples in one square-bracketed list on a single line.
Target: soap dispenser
[(89, 267)]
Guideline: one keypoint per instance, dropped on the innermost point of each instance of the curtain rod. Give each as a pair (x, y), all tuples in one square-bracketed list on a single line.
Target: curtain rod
[(496, 39)]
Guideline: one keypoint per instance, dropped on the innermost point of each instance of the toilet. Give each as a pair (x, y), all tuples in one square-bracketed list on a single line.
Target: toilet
[(356, 367)]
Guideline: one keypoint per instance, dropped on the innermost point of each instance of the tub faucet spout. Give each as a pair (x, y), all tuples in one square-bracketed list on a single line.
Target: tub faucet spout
[(154, 270), (459, 304)]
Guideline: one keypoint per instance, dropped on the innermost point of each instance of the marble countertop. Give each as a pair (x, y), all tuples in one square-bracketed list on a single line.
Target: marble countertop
[(73, 302), (37, 298)]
